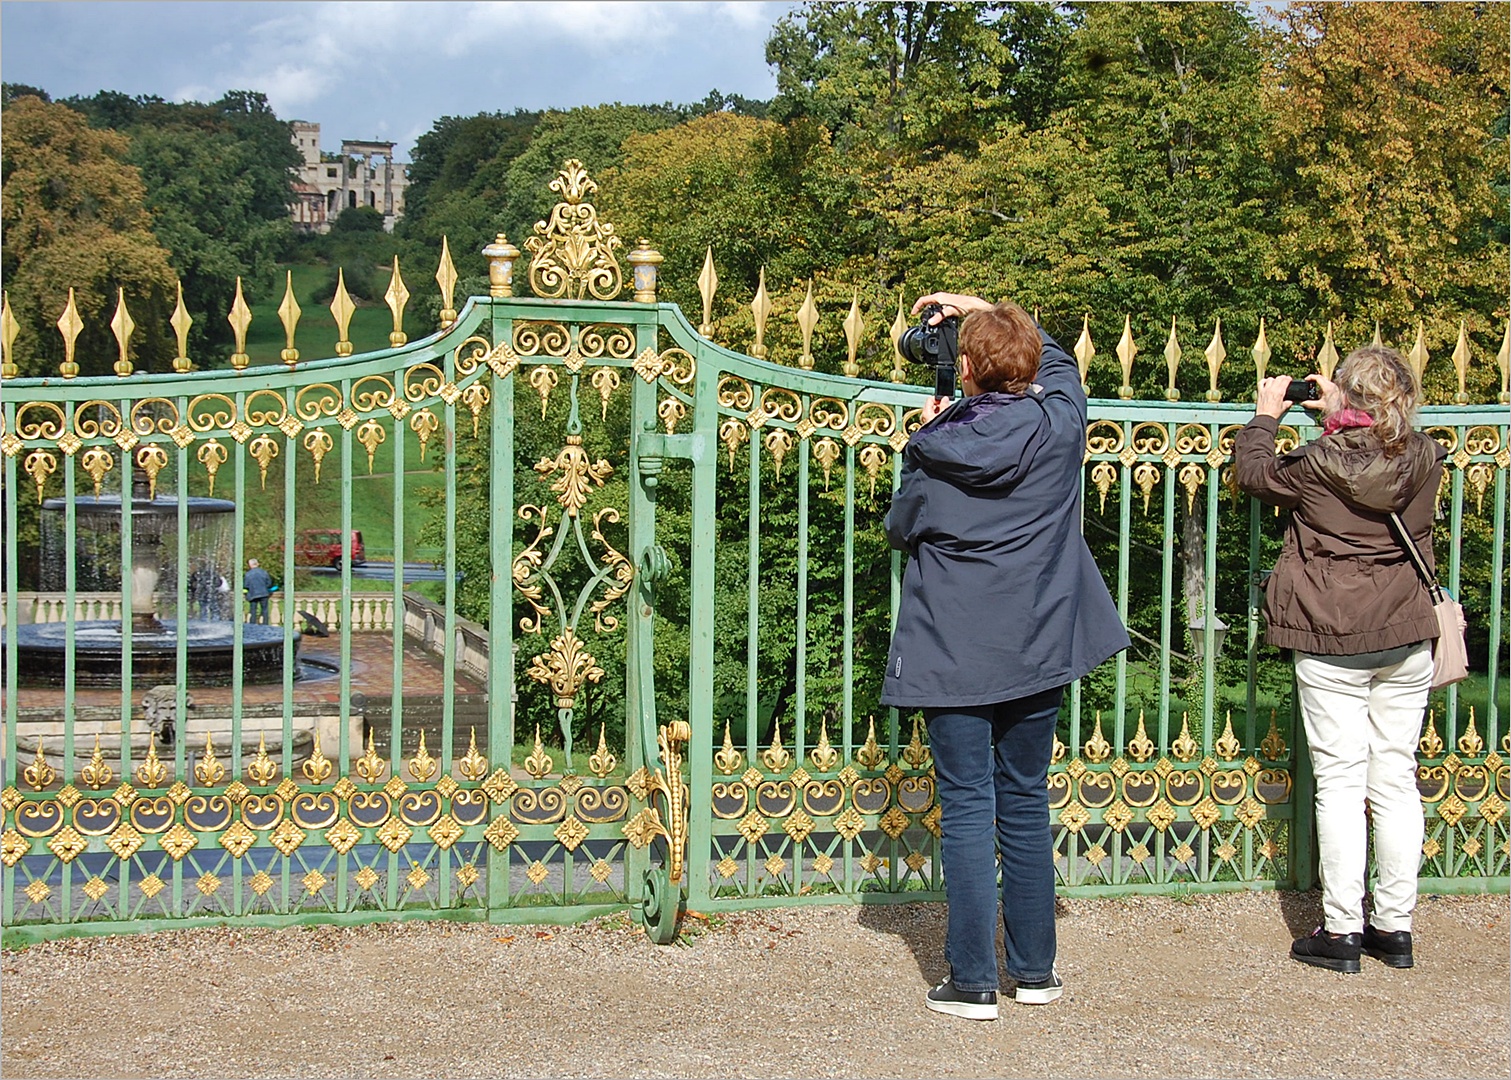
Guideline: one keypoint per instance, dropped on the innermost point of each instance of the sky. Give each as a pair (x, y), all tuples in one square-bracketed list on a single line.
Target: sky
[(388, 71)]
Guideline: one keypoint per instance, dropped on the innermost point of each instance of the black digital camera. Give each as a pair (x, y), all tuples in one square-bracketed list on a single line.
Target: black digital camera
[(1303, 390), (937, 346)]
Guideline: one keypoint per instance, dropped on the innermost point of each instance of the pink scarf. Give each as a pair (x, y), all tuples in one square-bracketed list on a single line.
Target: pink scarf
[(1346, 418)]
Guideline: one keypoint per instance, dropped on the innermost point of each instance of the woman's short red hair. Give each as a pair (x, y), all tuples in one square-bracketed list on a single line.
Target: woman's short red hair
[(1004, 346)]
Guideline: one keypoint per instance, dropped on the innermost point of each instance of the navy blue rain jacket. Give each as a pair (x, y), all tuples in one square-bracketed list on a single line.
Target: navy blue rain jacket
[(1001, 598)]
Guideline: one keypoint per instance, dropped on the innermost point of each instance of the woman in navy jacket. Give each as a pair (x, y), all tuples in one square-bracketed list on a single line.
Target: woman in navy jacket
[(1002, 607)]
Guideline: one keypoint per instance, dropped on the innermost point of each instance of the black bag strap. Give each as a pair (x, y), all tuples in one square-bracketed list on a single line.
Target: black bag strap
[(1410, 545)]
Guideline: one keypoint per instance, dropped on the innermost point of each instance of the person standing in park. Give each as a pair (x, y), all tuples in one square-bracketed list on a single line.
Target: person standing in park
[(1346, 596), (1002, 608), (258, 584)]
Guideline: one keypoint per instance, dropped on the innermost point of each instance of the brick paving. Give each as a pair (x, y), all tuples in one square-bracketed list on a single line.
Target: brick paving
[(371, 675)]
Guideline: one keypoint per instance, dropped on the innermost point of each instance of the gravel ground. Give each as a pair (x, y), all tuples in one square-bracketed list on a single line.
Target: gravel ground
[(1155, 987)]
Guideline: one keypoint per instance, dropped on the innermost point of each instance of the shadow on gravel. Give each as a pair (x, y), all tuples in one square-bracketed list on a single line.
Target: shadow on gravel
[(1302, 911), (919, 926)]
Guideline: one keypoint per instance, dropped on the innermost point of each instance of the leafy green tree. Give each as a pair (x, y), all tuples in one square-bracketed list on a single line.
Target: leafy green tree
[(918, 77)]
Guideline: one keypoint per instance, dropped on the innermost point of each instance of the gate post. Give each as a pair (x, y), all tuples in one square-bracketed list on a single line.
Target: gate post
[(700, 688)]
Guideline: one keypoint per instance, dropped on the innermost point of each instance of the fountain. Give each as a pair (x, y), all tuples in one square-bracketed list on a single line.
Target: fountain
[(99, 644)]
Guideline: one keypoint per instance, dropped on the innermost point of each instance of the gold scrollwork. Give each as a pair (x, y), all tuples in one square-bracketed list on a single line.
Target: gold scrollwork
[(544, 380), (828, 412), (318, 442), (1193, 439), (735, 393), (1150, 437), (422, 382), (527, 564), (318, 400), (779, 403), (97, 419), (671, 411), (532, 338), (621, 571), (475, 396), (606, 339), (49, 426), (1104, 437), (564, 667), (471, 353), (578, 474), (154, 415), (573, 252), (379, 396)]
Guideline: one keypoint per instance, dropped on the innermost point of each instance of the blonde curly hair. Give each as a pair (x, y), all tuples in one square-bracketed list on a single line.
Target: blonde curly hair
[(1378, 381)]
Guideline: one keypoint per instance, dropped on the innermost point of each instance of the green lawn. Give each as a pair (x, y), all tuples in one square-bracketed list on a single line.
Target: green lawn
[(316, 335)]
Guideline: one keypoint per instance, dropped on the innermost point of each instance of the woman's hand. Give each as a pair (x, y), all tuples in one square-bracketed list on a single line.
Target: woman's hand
[(933, 406), (1329, 397), (956, 304), (1270, 401)]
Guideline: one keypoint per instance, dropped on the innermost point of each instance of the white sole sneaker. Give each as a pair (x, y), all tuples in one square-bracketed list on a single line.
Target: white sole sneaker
[(964, 1009), (1040, 995)]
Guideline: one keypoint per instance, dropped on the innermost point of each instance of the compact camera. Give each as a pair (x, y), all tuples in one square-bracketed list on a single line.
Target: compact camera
[(1302, 390), (937, 346)]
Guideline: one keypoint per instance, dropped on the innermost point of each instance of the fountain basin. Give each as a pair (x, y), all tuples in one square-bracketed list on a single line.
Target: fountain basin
[(99, 645)]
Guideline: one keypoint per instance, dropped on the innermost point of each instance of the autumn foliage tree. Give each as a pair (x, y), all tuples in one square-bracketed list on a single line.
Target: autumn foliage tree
[(75, 215)]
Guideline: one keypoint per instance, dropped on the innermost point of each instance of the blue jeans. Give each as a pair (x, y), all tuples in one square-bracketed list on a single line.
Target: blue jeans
[(257, 609), (991, 763)]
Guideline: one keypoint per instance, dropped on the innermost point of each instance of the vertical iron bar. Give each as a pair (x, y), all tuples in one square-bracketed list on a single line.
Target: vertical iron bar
[(1497, 610), (1166, 606), (848, 569), (70, 602), (1455, 551), (500, 733), (12, 648), (701, 626), (448, 682), (753, 598), (800, 697), (396, 695), (1209, 610)]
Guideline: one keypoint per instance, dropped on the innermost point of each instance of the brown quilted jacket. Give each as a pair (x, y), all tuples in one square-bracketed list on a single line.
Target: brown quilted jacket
[(1343, 585)]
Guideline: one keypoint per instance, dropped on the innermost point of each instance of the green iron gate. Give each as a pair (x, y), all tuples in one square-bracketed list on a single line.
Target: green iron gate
[(678, 685)]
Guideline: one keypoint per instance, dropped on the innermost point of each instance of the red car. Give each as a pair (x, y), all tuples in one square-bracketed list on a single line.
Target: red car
[(323, 547)]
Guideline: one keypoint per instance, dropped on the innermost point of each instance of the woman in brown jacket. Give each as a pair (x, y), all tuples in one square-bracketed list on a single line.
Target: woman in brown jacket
[(1347, 599)]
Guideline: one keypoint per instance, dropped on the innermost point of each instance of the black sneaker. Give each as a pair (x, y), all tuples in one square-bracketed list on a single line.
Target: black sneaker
[(1039, 993), (969, 1004), (1336, 952), (1391, 947)]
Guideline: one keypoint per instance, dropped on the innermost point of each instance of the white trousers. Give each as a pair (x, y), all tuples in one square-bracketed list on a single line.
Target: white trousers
[(1362, 727)]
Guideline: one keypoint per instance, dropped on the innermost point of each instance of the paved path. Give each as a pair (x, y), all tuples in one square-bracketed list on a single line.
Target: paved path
[(1155, 987)]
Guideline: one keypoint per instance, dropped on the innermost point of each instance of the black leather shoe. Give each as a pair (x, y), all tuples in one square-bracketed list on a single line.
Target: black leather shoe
[(1391, 947), (1336, 952), (970, 1004)]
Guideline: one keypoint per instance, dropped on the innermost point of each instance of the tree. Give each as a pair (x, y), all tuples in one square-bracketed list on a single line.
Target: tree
[(1388, 122), (595, 136), (218, 184), (74, 215), (916, 76)]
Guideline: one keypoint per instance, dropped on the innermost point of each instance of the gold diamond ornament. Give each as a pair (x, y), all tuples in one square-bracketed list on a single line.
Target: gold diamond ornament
[(151, 885), (314, 881), (38, 891), (67, 844), (237, 839), (366, 878), (571, 833), (95, 888), (537, 872), (207, 884), (261, 882)]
